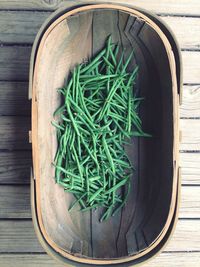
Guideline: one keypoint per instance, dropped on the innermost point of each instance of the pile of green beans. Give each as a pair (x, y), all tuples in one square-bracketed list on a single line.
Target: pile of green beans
[(97, 118)]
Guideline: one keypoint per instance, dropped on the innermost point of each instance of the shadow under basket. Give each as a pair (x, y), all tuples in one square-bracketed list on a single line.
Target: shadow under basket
[(70, 36)]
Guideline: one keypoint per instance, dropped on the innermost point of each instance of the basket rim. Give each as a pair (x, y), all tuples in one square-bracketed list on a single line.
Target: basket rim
[(175, 145)]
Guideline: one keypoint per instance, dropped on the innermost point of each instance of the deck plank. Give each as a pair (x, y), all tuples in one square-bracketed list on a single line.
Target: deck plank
[(15, 167), (191, 102), (14, 99), (43, 260), (191, 7), (14, 133), (14, 202), (190, 202), (190, 129), (186, 236), (185, 259), (22, 26), (190, 168), (182, 25), (19, 237), (14, 64)]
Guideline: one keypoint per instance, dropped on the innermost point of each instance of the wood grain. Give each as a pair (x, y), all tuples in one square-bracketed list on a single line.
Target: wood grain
[(191, 102), (165, 6), (15, 167), (182, 25), (42, 260), (19, 236), (190, 129), (14, 132), (191, 63), (190, 168), (21, 27), (14, 202), (14, 99), (14, 63), (190, 202), (186, 236), (175, 260)]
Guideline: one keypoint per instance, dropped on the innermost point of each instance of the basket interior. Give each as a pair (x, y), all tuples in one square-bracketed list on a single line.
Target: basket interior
[(143, 218)]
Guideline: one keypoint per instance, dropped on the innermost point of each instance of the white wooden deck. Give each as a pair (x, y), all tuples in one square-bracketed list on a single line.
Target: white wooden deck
[(19, 22)]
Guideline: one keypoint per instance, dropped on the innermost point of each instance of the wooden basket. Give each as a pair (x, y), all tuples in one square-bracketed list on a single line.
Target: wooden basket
[(69, 36)]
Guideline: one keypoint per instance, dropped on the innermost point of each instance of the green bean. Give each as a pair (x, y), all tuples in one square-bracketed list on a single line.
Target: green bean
[(90, 207), (110, 159), (77, 201), (106, 214), (59, 110), (117, 186), (71, 117), (124, 201), (95, 194), (58, 126), (97, 120)]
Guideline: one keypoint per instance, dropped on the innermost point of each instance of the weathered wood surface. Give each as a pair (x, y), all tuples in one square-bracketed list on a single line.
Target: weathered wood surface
[(19, 237), (177, 259), (14, 132), (182, 25), (21, 27), (17, 32), (14, 202), (190, 202), (191, 7), (190, 134), (14, 99), (191, 102), (15, 167), (190, 168), (14, 64)]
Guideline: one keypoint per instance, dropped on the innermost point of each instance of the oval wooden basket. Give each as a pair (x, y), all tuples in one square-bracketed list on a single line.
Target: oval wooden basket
[(141, 229)]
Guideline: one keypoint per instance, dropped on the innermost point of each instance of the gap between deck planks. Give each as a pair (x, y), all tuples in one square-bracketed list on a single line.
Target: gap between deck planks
[(185, 7)]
